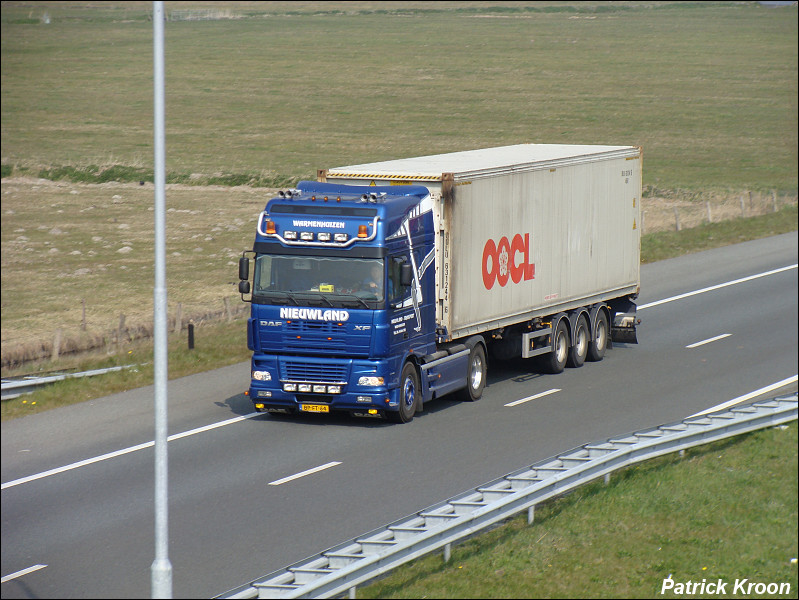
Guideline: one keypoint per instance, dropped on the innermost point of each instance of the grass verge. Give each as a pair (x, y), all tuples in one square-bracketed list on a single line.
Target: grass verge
[(221, 344), (726, 511)]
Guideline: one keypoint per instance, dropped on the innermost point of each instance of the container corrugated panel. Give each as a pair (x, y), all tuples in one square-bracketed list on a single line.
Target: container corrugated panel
[(532, 229)]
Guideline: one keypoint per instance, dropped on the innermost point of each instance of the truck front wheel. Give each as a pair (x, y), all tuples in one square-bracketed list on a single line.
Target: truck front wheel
[(409, 394)]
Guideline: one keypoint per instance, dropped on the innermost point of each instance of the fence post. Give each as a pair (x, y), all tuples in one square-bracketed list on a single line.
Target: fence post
[(56, 344), (677, 219), (743, 209), (83, 316), (774, 199), (226, 301), (191, 335), (709, 215)]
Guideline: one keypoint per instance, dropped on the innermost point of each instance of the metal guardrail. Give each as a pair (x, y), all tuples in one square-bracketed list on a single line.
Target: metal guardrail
[(14, 388), (342, 568)]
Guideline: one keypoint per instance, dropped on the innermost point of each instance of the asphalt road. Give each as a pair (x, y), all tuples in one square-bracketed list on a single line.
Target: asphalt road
[(77, 482)]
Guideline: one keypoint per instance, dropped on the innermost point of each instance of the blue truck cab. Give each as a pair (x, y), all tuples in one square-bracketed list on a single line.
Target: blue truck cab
[(343, 304)]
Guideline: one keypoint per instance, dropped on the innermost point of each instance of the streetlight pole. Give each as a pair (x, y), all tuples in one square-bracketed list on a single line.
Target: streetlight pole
[(161, 569)]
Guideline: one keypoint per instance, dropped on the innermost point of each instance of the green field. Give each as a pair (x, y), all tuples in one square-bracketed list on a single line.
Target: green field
[(266, 93), (708, 89)]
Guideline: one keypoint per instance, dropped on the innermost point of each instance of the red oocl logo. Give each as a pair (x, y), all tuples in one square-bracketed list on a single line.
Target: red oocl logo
[(501, 262)]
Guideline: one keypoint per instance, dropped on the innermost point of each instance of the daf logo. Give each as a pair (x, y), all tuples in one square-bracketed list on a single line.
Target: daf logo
[(271, 323)]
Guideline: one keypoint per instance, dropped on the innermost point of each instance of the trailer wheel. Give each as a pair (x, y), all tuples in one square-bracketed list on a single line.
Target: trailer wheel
[(475, 376), (409, 394), (556, 360), (579, 350), (599, 341)]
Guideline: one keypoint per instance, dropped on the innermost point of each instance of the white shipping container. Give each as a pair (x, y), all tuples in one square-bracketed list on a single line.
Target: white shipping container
[(526, 230)]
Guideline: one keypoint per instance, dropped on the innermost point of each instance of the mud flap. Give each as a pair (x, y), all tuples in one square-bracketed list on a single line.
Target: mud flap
[(623, 329), (625, 322)]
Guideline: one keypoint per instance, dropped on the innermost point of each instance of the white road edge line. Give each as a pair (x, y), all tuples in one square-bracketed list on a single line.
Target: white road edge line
[(304, 473), (749, 396), (708, 341), (536, 397), (116, 453), (22, 572), (716, 287)]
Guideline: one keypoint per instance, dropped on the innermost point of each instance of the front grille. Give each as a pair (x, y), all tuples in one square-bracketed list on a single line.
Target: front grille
[(300, 327), (294, 370), (324, 336)]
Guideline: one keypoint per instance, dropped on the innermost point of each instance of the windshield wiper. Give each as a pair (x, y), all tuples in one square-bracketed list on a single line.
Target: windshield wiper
[(350, 297), (269, 293)]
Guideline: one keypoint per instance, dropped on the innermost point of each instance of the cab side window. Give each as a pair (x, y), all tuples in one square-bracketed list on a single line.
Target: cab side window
[(396, 291)]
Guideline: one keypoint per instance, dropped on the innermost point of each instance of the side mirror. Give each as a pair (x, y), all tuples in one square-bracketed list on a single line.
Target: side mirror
[(244, 270), (406, 274), (244, 287)]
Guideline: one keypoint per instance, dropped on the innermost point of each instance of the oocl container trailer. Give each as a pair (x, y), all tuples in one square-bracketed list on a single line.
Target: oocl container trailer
[(382, 286)]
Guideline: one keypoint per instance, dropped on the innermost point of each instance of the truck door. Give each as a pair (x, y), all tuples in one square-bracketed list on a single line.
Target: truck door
[(407, 305)]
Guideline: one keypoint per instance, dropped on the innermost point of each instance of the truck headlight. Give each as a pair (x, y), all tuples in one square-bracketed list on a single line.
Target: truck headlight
[(371, 381), (262, 375)]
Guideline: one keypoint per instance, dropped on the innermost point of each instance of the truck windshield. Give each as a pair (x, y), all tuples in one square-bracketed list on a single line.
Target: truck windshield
[(296, 280)]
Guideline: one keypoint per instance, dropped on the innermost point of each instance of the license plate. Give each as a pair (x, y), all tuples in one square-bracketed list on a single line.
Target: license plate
[(316, 408)]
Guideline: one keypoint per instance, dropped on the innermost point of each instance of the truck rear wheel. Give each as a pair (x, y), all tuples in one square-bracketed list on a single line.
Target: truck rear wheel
[(409, 394), (599, 341), (475, 375), (579, 350), (556, 360)]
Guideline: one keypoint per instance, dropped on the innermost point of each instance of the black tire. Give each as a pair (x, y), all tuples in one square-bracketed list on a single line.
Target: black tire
[(475, 375), (556, 360), (409, 395), (580, 341), (599, 341)]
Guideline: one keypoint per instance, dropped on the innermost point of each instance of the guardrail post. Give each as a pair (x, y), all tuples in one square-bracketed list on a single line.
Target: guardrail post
[(447, 552), (531, 515)]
